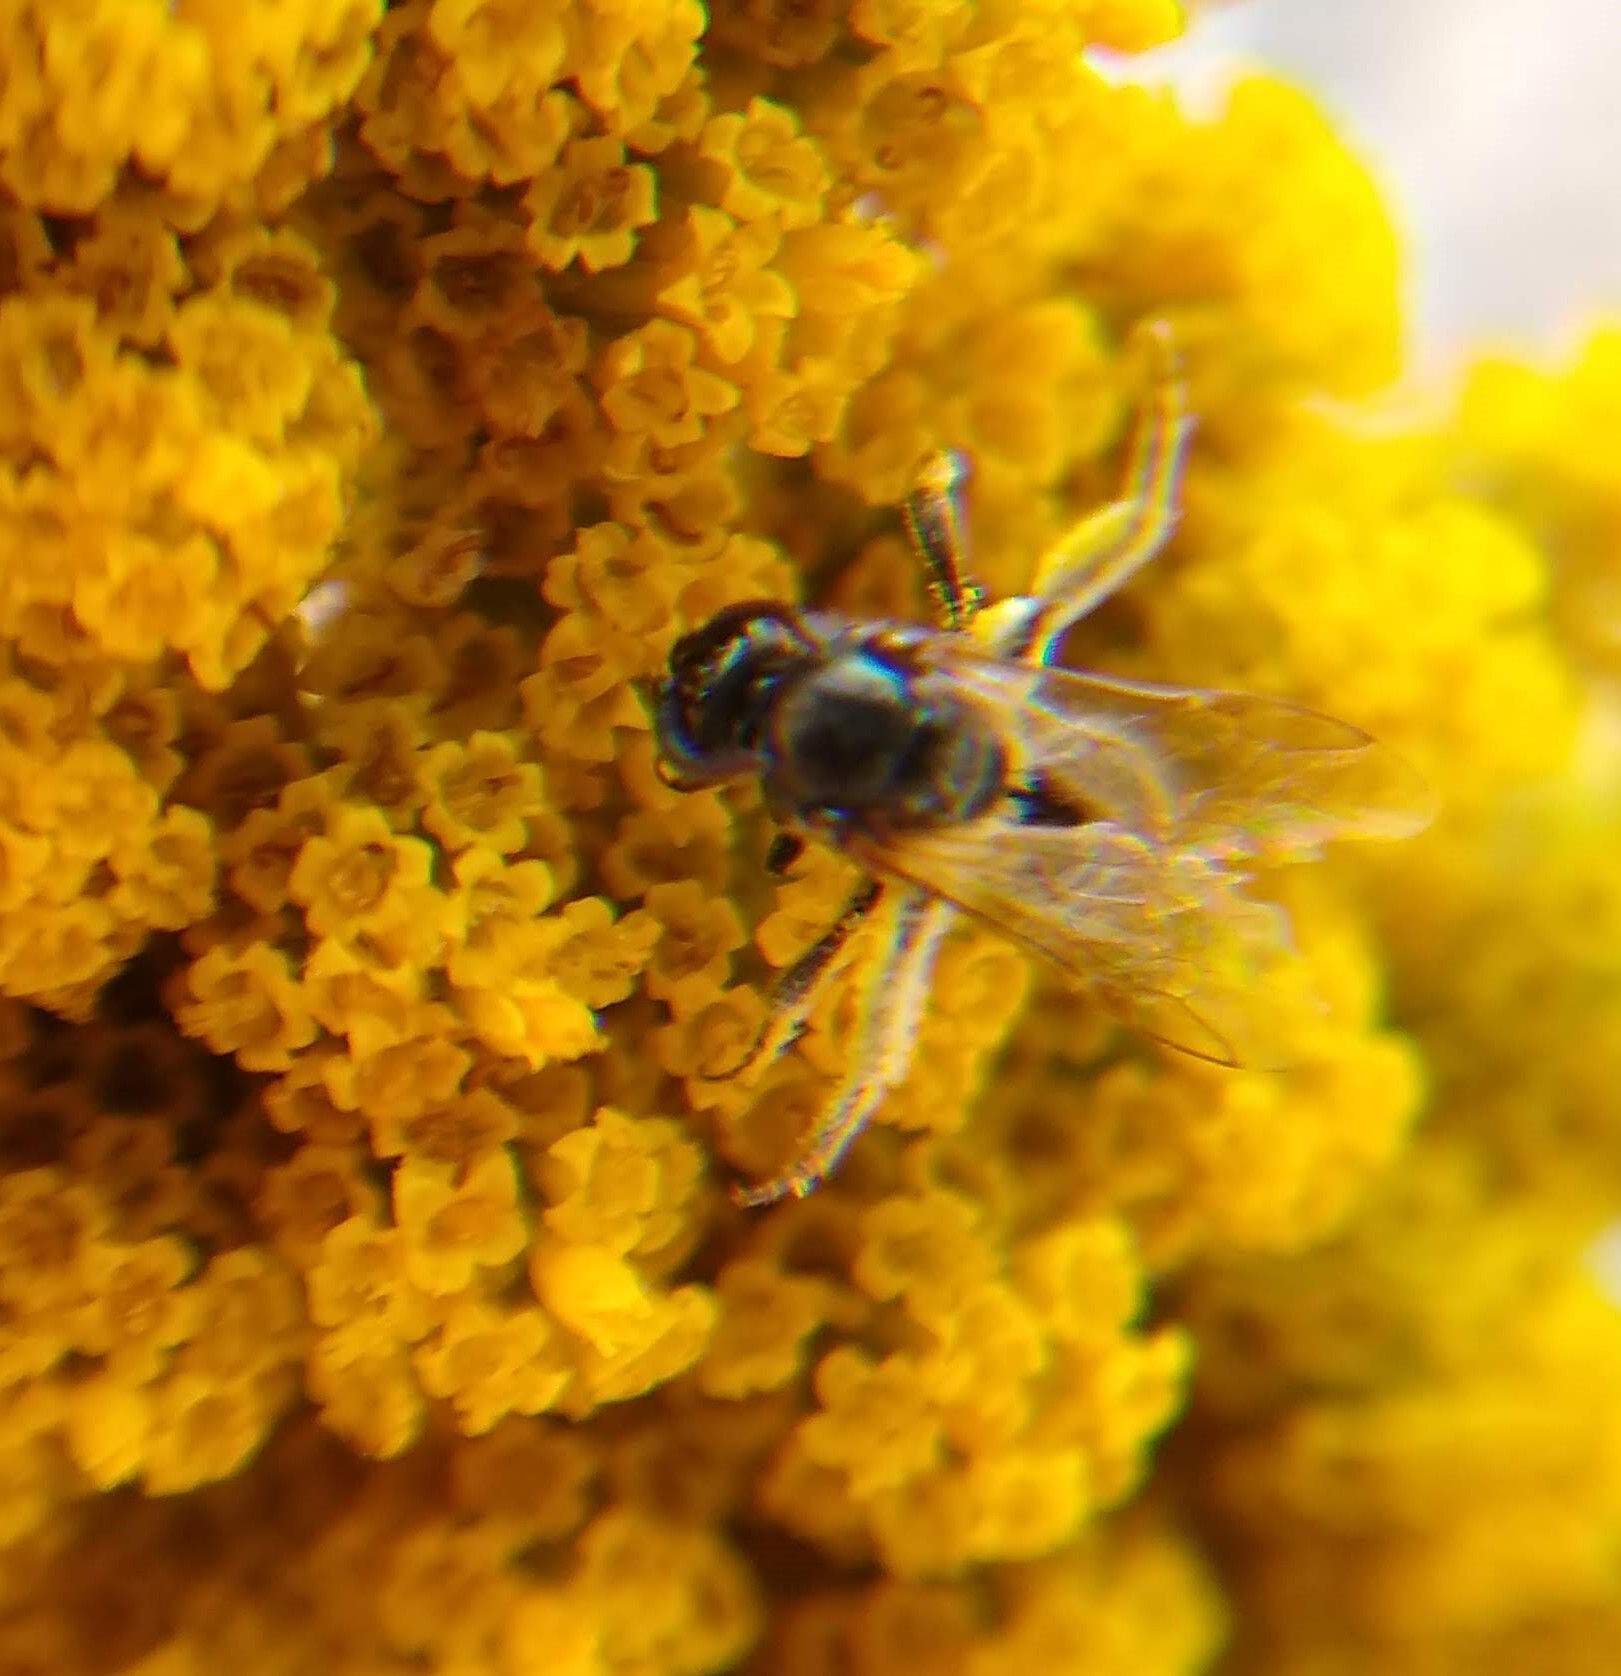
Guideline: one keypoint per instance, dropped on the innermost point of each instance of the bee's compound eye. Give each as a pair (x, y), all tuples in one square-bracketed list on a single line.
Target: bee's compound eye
[(712, 711)]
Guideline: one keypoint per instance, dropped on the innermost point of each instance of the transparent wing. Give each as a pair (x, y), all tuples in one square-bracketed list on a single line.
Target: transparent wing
[(1165, 937), (1227, 773)]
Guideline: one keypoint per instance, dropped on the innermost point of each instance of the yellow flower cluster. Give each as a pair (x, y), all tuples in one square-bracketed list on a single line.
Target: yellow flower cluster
[(1535, 443), (180, 435), (384, 391), (140, 1340), (1423, 1474), (210, 104)]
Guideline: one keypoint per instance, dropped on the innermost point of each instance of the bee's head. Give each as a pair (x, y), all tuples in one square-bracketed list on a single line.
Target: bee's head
[(712, 707)]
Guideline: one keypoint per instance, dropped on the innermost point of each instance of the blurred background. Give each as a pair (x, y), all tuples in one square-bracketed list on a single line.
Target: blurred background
[(1496, 127)]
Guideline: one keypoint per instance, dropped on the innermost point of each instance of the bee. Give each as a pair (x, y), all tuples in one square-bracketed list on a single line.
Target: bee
[(1106, 824)]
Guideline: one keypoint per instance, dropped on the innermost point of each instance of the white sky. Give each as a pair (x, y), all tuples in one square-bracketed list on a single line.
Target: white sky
[(1496, 128)]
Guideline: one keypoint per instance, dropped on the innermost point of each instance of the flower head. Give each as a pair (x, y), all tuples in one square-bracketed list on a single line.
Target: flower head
[(768, 168), (722, 284), (588, 208), (246, 1002), (358, 878), (454, 1227), (480, 792)]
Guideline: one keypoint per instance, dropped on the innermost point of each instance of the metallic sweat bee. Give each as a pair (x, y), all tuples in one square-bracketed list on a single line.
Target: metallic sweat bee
[(1106, 824)]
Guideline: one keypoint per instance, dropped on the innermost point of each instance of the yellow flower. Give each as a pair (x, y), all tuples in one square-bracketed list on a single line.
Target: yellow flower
[(623, 577), (665, 846), (200, 1431), (600, 955), (246, 767), (1027, 1502), (168, 881), (793, 411), (788, 35), (263, 849), (490, 1363), (97, 799), (358, 878), (878, 1425), (130, 1163), (318, 1190), (699, 1605), (698, 935), (495, 42), (629, 60), (723, 285), (1083, 1279), (359, 1293), (139, 1309), (477, 280), (915, 31), (275, 268), (391, 1079), (512, 141), (595, 1293), (652, 389), (53, 355), (588, 207), (766, 1319), (382, 390), (926, 1248), (670, 1342), (453, 1228), (52, 952), (33, 1340), (300, 1103), (1133, 25), (373, 1402), (378, 741), (108, 1429), (767, 166), (529, 1018), (480, 792), (24, 858), (581, 696), (49, 1229), (460, 1134), (712, 1043), (552, 1633), (524, 378), (131, 269), (492, 898), (245, 1003), (246, 1321), (622, 1183), (247, 359)]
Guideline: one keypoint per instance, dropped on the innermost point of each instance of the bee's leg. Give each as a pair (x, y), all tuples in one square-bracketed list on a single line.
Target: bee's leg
[(934, 522), (796, 990), (1107, 549), (892, 1009)]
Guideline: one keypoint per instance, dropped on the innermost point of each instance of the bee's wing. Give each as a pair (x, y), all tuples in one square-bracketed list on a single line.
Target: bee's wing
[(1230, 773), (1165, 937)]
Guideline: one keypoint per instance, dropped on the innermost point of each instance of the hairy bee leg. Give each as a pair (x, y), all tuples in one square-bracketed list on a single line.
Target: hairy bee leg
[(896, 994), (934, 522), (1105, 550), (797, 989)]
